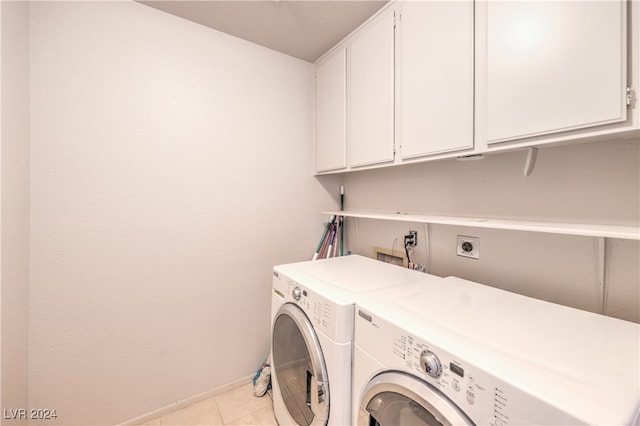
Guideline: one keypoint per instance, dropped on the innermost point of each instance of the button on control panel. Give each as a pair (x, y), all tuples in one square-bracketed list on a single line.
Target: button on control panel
[(430, 364), (296, 293)]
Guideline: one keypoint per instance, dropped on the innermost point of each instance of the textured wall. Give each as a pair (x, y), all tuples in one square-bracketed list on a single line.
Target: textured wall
[(14, 213), (171, 169), (590, 183)]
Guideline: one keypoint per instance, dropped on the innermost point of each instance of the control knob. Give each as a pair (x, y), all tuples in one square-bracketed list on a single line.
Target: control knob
[(430, 364), (296, 293)]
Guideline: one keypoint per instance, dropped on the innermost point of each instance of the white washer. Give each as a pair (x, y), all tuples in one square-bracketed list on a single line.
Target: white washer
[(458, 352), (312, 334)]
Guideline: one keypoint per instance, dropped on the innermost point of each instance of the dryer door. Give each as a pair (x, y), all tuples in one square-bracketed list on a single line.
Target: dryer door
[(299, 367), (396, 398)]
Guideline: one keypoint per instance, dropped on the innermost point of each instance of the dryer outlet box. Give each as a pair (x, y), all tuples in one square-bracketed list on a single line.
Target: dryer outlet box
[(469, 247)]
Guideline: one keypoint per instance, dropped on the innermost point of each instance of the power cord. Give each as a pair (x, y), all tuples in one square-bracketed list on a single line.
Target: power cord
[(406, 250), (410, 240)]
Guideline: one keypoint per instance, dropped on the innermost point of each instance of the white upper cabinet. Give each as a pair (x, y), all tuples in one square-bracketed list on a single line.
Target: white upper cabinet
[(425, 80), (550, 66), (371, 93), (331, 113), (436, 77)]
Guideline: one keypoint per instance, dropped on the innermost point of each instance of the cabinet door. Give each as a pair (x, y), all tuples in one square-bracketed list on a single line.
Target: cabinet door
[(553, 66), (436, 77), (371, 93), (331, 113)]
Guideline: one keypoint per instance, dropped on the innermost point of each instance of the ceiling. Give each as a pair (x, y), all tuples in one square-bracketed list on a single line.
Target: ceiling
[(303, 29)]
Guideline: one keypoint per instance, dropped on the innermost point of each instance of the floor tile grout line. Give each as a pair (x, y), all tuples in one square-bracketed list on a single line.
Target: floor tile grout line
[(247, 399), (215, 399), (244, 415)]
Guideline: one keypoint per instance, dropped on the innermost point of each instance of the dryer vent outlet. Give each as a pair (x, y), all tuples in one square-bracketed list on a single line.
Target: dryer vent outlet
[(468, 247)]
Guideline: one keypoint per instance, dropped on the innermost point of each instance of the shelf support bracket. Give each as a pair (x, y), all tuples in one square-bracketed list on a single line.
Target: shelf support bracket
[(601, 248), (427, 238), (532, 154)]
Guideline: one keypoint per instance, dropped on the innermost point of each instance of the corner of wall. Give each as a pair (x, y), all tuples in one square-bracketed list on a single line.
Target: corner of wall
[(14, 209)]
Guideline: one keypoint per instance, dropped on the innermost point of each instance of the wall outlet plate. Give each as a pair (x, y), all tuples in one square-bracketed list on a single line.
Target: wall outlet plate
[(468, 247), (411, 239)]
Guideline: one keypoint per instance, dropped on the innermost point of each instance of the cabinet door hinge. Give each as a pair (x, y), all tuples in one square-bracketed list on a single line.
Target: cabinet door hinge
[(629, 96)]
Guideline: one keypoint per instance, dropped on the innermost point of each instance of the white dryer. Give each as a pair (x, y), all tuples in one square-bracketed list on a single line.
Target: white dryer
[(458, 352), (312, 334)]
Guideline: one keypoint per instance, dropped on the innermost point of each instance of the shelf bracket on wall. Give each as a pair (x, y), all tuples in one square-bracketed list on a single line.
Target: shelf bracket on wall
[(532, 154), (601, 250), (427, 238)]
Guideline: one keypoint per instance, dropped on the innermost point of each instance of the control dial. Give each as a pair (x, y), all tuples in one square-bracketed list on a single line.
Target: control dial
[(430, 364), (296, 293)]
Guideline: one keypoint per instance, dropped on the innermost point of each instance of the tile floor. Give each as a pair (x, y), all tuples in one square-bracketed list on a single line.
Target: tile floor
[(234, 407)]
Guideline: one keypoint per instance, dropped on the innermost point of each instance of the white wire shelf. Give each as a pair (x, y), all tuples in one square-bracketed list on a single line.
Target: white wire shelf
[(582, 229)]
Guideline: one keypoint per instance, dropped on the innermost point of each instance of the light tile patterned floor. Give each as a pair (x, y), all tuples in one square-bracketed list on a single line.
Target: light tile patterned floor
[(235, 407)]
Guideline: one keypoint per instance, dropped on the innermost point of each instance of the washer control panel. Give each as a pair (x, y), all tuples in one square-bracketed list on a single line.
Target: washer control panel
[(451, 375), (468, 387), (445, 362)]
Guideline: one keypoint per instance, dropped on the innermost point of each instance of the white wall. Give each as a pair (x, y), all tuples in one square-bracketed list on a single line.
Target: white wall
[(14, 203), (591, 183), (170, 170)]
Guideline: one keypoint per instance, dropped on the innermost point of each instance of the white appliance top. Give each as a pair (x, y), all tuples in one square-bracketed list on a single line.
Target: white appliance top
[(345, 279), (583, 363)]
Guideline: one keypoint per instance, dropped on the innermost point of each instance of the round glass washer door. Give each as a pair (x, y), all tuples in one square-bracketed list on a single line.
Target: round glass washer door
[(396, 398), (299, 367)]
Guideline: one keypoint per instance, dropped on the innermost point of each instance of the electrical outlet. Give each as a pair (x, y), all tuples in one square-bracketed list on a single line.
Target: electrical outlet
[(468, 247), (411, 239)]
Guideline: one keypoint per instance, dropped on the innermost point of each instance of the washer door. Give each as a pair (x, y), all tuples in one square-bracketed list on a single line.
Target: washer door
[(396, 398), (299, 367)]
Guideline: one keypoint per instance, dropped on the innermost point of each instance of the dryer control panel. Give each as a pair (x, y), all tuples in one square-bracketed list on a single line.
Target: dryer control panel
[(318, 309), (328, 317)]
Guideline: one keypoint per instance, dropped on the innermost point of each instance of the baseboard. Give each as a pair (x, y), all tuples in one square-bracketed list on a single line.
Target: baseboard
[(186, 402)]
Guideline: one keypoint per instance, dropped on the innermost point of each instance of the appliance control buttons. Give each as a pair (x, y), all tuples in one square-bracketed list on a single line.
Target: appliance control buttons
[(296, 293), (430, 364), (456, 386)]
